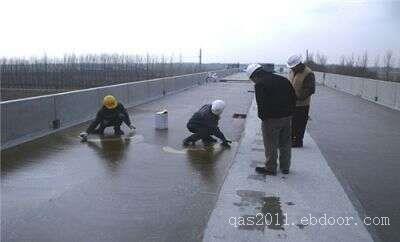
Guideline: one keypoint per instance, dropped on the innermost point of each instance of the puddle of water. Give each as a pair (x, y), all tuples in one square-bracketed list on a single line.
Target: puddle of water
[(301, 226), (196, 149), (272, 206), (132, 138), (173, 151), (269, 212)]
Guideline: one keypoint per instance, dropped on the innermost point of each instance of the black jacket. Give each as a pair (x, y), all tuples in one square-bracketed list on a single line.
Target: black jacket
[(206, 119), (275, 96), (110, 115)]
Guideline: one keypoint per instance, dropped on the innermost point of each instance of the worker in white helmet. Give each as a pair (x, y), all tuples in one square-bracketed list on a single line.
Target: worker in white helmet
[(303, 81), (204, 124), (276, 100)]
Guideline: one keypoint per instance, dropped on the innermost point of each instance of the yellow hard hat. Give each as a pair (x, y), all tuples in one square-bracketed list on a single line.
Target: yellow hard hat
[(110, 102)]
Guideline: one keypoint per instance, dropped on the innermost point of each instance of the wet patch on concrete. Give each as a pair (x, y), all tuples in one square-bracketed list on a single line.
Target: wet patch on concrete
[(200, 154), (282, 236), (215, 147), (251, 222), (268, 211), (301, 226), (130, 137), (171, 150)]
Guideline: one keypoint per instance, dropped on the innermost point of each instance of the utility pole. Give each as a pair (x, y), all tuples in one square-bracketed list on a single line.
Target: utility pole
[(200, 60)]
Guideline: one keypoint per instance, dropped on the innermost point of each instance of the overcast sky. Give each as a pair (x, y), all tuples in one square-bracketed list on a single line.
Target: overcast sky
[(226, 30)]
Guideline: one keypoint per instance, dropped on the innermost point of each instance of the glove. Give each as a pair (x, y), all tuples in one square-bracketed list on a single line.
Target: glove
[(132, 127), (226, 143)]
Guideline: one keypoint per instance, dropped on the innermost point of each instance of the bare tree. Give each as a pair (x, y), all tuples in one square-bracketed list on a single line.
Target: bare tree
[(321, 59), (364, 62), (309, 57), (75, 72), (377, 61), (342, 61), (387, 61), (350, 61)]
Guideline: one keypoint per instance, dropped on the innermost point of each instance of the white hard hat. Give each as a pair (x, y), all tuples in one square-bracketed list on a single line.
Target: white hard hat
[(217, 107), (252, 68), (294, 60)]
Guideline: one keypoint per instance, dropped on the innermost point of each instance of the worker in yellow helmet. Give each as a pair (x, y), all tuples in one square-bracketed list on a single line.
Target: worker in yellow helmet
[(111, 114)]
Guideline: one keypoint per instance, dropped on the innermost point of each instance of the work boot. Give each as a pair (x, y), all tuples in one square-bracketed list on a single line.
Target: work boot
[(265, 171), (118, 131), (186, 142), (285, 171)]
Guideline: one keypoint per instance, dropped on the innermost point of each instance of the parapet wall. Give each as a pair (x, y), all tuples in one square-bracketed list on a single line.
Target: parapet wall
[(30, 118), (381, 92)]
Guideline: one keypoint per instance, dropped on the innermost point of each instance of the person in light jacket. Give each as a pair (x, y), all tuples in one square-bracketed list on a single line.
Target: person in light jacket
[(303, 81)]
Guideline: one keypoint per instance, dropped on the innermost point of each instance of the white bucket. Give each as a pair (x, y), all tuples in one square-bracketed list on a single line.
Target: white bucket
[(161, 119)]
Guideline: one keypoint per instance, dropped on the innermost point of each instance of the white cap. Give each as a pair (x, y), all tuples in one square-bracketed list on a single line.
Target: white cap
[(252, 68), (294, 60), (217, 107)]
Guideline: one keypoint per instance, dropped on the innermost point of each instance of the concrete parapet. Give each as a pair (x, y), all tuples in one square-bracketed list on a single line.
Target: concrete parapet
[(26, 119), (386, 92), (382, 92)]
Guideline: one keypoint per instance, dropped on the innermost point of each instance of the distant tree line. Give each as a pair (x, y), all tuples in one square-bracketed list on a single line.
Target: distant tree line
[(358, 65), (85, 71)]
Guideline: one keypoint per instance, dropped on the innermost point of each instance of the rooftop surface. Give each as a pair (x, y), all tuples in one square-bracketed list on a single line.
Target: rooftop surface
[(142, 188)]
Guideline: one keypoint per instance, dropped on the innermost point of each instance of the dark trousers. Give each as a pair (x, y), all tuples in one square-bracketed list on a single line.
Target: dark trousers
[(276, 137), (116, 123), (199, 132), (299, 123), (112, 123)]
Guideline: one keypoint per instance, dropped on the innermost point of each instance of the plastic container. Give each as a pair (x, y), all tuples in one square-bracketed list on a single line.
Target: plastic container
[(161, 119)]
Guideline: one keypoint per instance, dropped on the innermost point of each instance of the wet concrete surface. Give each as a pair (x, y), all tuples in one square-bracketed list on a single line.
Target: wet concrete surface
[(269, 213), (58, 189), (361, 142)]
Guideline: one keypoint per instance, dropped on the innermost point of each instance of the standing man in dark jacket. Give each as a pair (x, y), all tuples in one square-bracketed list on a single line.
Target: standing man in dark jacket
[(303, 81), (276, 100), (111, 114), (204, 123)]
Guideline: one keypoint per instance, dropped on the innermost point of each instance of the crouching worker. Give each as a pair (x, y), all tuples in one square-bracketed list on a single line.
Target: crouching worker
[(204, 123), (111, 114)]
